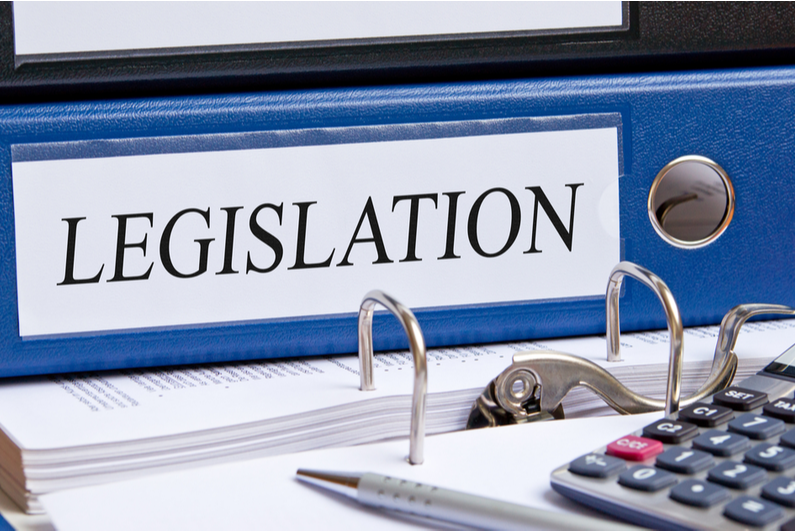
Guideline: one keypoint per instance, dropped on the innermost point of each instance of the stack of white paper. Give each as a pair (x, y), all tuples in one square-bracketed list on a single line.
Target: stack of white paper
[(68, 431), (511, 463)]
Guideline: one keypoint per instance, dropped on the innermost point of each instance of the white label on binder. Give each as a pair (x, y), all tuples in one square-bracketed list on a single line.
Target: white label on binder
[(85, 27), (176, 239)]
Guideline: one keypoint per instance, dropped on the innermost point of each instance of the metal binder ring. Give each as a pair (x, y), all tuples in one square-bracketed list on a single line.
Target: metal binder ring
[(553, 374), (724, 364), (417, 348), (534, 386), (674, 320)]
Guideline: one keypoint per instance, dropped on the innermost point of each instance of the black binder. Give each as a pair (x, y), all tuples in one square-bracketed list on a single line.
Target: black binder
[(653, 36)]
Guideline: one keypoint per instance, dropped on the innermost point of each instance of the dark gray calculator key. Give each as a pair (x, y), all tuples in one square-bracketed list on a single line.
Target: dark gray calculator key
[(706, 415), (684, 460), (670, 431), (736, 475), (788, 439), (757, 426), (783, 408), (721, 443), (740, 399), (788, 526), (771, 457), (753, 511), (646, 478), (781, 490), (597, 466), (698, 493)]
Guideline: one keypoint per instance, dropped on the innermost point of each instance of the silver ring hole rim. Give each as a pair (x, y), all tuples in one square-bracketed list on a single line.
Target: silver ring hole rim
[(727, 215), (527, 383)]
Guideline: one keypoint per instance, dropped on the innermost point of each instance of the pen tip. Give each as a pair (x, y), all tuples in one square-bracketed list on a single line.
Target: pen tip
[(346, 484)]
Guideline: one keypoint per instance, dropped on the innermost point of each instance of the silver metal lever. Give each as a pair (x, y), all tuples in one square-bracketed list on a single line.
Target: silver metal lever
[(674, 320), (417, 348), (534, 386)]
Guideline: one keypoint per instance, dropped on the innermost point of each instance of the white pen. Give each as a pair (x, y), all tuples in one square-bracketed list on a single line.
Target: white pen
[(449, 505)]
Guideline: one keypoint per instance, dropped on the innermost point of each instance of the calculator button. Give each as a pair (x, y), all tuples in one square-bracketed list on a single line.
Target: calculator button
[(752, 511), (670, 431), (771, 457), (706, 415), (597, 466), (739, 398), (646, 478), (736, 475), (721, 443), (684, 460), (788, 439), (698, 493), (634, 448), (788, 526), (781, 490), (756, 426), (783, 408)]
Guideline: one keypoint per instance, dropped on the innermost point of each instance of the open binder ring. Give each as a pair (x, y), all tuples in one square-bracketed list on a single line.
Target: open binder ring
[(724, 364), (674, 320), (417, 348), (534, 386)]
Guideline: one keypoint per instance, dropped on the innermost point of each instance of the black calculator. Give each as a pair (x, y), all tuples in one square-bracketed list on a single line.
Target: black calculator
[(726, 463)]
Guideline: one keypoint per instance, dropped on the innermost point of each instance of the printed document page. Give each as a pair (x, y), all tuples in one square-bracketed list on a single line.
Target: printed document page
[(96, 408)]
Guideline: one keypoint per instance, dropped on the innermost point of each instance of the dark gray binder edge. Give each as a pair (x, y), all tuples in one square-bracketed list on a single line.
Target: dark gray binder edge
[(655, 36)]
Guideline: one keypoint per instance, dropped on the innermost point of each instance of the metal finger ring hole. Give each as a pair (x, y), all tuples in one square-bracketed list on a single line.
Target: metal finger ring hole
[(691, 202), (522, 387)]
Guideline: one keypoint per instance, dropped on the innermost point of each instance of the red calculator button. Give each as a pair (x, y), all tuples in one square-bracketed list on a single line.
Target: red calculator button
[(634, 448)]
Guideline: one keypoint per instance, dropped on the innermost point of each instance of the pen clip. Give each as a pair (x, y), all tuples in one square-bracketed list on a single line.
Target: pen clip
[(674, 321), (417, 348)]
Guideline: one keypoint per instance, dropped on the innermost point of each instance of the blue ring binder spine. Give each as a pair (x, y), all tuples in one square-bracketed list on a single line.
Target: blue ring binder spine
[(739, 118)]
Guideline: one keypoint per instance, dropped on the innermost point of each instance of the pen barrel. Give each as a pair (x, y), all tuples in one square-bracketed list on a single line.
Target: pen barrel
[(470, 510)]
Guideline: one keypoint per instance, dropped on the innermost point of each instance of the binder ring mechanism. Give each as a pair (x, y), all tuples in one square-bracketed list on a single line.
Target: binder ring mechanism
[(534, 386), (418, 352)]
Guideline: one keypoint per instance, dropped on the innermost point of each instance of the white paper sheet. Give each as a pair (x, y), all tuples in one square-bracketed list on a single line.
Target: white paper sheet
[(41, 414), (510, 463)]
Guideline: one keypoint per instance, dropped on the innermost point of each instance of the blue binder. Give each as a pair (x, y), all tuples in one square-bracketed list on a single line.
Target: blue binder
[(741, 119)]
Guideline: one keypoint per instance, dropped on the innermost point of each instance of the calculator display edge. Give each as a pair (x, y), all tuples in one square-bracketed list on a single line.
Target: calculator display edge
[(784, 365)]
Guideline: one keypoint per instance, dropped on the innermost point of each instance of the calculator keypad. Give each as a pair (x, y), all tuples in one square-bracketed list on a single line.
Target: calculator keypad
[(699, 493), (753, 511), (736, 475), (597, 466), (647, 478), (788, 439), (781, 490), (634, 448), (757, 426), (783, 408), (685, 460), (670, 431), (740, 399), (706, 415), (721, 443), (728, 464), (771, 457)]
